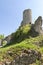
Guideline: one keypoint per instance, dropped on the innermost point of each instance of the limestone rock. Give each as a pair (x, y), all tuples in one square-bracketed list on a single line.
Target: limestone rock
[(38, 25), (27, 57)]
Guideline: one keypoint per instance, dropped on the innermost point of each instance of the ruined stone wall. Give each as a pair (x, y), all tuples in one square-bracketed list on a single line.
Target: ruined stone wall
[(38, 25), (27, 17)]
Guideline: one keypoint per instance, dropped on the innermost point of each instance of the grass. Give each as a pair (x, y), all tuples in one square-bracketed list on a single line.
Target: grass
[(18, 47), (21, 39)]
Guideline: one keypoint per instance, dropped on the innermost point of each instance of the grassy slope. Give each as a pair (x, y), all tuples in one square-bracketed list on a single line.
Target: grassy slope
[(25, 42)]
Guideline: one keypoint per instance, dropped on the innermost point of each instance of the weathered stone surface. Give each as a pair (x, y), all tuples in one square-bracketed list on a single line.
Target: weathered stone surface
[(38, 25), (27, 17), (27, 57), (8, 39), (8, 63)]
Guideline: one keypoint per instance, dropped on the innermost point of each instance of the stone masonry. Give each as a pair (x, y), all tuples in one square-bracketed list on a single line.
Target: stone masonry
[(27, 17)]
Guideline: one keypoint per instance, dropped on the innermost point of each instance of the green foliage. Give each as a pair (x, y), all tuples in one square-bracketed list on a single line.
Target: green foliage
[(23, 38), (1, 36), (38, 62), (21, 33), (25, 29), (28, 43), (4, 43)]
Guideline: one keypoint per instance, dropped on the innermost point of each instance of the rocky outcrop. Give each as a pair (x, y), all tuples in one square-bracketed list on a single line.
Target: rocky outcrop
[(8, 39), (36, 29), (27, 19), (38, 25), (27, 57)]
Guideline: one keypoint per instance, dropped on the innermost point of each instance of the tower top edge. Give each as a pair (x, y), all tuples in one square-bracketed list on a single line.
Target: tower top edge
[(27, 10)]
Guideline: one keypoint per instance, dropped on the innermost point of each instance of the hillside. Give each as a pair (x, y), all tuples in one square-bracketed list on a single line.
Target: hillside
[(22, 33), (26, 44)]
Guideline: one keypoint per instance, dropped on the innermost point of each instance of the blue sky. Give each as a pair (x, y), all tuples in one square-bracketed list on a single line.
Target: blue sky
[(11, 13)]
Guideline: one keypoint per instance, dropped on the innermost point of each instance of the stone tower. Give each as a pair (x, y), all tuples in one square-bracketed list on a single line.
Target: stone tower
[(27, 17)]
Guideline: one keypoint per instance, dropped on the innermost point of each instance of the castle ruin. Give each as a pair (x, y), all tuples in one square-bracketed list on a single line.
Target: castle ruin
[(38, 25), (27, 19)]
